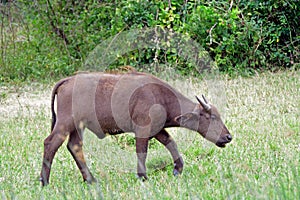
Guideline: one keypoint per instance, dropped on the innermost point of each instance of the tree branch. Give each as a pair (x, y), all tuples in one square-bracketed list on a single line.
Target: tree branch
[(60, 32), (210, 35)]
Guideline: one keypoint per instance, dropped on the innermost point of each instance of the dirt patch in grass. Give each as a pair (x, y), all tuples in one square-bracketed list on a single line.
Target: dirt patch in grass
[(25, 100)]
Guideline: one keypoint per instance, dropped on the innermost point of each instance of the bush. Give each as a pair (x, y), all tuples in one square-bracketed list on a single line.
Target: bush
[(250, 35), (41, 39)]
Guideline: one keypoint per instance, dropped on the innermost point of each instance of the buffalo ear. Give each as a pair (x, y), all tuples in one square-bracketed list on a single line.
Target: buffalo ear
[(184, 119)]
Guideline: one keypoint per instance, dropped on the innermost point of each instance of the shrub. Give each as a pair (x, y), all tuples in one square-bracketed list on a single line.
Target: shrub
[(250, 35), (53, 38)]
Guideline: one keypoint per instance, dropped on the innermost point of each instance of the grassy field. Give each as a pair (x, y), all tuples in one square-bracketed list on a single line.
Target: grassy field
[(262, 162)]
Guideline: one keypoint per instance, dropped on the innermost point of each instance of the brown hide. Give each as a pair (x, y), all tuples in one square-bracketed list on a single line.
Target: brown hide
[(108, 103), (130, 102)]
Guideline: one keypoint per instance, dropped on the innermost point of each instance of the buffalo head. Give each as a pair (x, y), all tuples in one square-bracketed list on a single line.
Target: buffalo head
[(206, 120)]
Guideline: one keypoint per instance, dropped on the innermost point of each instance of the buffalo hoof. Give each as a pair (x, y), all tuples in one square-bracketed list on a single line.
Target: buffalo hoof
[(44, 183), (176, 172), (91, 180), (142, 177), (178, 167)]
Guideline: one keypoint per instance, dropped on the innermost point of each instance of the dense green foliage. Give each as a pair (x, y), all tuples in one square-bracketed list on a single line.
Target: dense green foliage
[(46, 38)]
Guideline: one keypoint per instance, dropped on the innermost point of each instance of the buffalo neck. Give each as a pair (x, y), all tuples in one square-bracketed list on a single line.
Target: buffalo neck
[(181, 105)]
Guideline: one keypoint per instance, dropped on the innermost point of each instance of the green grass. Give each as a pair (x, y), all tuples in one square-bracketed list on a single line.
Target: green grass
[(262, 162)]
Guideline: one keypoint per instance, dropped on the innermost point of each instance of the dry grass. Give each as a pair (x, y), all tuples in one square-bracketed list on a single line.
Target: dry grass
[(262, 162), (25, 100)]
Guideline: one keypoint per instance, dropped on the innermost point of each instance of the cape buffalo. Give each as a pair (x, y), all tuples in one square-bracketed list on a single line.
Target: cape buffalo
[(107, 103)]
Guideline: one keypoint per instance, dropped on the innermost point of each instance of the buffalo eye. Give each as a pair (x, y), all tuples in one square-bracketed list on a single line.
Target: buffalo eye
[(213, 117)]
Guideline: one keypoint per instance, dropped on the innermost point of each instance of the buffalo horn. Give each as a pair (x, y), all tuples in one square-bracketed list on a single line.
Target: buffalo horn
[(204, 99), (204, 103)]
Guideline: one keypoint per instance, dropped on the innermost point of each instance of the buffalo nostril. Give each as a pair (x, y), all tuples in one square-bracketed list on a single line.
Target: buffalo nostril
[(229, 137)]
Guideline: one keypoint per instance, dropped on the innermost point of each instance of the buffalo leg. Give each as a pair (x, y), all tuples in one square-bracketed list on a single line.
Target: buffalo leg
[(75, 148), (141, 151), (51, 145), (164, 138)]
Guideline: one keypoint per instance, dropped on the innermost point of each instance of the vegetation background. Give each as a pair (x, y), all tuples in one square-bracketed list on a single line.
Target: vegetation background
[(50, 38)]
